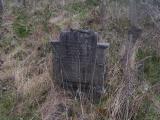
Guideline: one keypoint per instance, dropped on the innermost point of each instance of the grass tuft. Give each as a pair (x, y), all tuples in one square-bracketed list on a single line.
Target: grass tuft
[(151, 65), (21, 25)]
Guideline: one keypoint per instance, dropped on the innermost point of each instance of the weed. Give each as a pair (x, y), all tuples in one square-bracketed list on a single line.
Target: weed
[(20, 25), (120, 26), (6, 104), (46, 16), (147, 112), (82, 7), (76, 7), (151, 66), (92, 2)]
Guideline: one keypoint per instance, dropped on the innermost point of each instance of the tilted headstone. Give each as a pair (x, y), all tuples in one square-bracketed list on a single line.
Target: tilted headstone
[(79, 61)]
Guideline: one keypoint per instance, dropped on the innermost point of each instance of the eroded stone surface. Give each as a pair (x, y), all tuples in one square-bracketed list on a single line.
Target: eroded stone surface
[(79, 60)]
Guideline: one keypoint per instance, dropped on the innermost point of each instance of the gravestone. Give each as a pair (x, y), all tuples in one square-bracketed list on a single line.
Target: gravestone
[(79, 60)]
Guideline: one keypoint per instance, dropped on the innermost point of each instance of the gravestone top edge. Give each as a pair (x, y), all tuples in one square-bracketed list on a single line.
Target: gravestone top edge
[(103, 45), (81, 31), (64, 33)]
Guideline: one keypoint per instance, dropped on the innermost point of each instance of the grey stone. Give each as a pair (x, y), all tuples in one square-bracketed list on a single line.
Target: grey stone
[(79, 61)]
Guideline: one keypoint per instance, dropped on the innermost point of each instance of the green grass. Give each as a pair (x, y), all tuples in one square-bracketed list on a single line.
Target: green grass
[(151, 65), (7, 102), (92, 2), (82, 8), (21, 25), (76, 7), (147, 112), (46, 16), (6, 105), (152, 75), (42, 16), (121, 26), (158, 97)]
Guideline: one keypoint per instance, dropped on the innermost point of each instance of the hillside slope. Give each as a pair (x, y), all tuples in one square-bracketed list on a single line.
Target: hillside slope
[(27, 88)]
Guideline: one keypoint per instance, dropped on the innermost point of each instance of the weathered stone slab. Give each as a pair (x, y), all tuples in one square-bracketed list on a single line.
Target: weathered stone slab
[(79, 60)]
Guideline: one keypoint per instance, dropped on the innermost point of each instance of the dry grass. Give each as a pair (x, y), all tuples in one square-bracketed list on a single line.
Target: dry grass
[(32, 78)]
